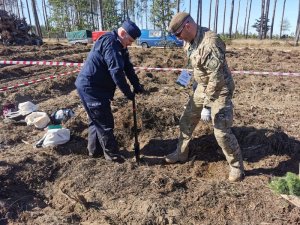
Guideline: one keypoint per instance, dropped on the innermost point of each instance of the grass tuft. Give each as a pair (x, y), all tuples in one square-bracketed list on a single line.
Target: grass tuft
[(289, 185)]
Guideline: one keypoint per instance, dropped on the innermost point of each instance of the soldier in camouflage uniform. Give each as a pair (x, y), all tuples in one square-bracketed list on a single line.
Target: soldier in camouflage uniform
[(212, 97)]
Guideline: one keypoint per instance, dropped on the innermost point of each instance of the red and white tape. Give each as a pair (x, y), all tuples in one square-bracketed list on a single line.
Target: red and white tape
[(234, 72), (267, 73), (50, 63), (36, 81), (160, 69), (45, 63)]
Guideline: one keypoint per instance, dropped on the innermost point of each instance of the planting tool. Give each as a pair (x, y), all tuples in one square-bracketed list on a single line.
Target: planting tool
[(136, 142)]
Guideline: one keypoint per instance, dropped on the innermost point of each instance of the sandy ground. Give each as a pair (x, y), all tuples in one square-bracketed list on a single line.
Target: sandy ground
[(62, 185)]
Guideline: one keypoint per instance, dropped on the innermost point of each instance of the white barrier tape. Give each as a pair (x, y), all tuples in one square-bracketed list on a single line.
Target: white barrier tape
[(234, 72), (160, 69), (49, 63), (267, 73), (36, 81)]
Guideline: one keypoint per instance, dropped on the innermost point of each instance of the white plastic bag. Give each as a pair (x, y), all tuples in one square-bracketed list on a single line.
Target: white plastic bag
[(55, 137), (38, 119), (27, 107)]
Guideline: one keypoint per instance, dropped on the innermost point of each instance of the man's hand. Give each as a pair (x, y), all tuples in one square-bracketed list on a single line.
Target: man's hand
[(139, 89), (206, 114)]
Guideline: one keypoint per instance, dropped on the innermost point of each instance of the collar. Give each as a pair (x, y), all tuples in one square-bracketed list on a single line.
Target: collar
[(115, 33), (199, 36)]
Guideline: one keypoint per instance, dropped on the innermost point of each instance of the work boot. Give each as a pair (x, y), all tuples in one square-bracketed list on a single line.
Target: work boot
[(177, 156), (236, 174), (115, 157), (94, 155)]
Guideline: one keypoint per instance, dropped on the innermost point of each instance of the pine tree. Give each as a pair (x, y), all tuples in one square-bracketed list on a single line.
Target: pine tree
[(161, 13), (261, 23)]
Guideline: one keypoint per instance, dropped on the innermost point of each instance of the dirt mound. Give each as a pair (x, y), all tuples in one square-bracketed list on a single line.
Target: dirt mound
[(62, 185), (14, 30)]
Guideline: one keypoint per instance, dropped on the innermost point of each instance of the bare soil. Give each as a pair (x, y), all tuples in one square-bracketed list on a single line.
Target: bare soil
[(62, 185)]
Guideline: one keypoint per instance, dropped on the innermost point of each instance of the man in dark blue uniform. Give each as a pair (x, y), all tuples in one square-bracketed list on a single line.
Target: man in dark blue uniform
[(106, 67)]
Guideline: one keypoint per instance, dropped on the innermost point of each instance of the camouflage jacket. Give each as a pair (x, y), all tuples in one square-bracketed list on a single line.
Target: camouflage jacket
[(207, 57)]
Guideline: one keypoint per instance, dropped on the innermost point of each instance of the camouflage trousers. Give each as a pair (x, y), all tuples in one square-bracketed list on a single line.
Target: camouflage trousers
[(222, 119)]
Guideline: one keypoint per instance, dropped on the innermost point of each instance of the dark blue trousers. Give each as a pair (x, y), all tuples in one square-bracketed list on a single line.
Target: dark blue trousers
[(101, 138)]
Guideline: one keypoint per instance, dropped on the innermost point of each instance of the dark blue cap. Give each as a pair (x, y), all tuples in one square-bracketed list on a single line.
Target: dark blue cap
[(132, 29)]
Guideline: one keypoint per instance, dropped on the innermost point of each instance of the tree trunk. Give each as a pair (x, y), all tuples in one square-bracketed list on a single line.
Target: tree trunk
[(266, 19), (92, 14), (77, 15), (28, 14), (67, 25), (231, 18), (273, 18), (45, 15), (21, 4), (3, 3), (126, 10), (72, 14), (245, 22), (282, 17), (18, 10), (248, 18), (36, 19), (162, 3), (297, 34), (190, 6), (209, 18), (101, 27), (224, 17), (146, 7), (261, 19), (178, 5), (237, 19), (199, 13), (216, 16)]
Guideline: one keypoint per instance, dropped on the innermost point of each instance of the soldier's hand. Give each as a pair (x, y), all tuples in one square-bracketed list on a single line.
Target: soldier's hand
[(206, 114), (139, 89)]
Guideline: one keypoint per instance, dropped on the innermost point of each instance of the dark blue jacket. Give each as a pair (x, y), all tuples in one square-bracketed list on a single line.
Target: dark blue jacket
[(105, 67)]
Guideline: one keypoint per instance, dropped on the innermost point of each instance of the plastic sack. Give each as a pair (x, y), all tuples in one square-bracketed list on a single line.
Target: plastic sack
[(27, 107), (54, 137), (61, 115), (38, 119)]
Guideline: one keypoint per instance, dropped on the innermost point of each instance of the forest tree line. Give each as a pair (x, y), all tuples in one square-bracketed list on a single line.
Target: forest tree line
[(59, 16)]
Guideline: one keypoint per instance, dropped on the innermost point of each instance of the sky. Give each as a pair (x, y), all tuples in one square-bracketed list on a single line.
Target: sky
[(291, 13)]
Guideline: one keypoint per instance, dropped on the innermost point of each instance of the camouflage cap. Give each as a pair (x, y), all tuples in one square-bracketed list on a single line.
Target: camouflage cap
[(177, 21)]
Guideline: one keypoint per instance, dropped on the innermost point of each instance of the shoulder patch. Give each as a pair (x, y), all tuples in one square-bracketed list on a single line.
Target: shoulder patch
[(213, 64)]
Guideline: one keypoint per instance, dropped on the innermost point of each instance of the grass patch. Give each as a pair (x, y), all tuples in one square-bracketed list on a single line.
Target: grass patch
[(288, 185)]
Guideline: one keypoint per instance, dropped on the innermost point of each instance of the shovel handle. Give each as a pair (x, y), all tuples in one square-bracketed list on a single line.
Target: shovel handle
[(136, 142)]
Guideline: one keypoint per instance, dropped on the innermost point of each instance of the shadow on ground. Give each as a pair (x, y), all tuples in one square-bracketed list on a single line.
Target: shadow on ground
[(255, 144)]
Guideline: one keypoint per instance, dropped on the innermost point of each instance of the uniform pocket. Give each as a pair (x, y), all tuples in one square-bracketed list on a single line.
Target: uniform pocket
[(223, 118), (99, 109)]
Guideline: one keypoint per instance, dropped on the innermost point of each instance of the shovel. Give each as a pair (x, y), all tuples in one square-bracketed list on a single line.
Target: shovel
[(136, 141)]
